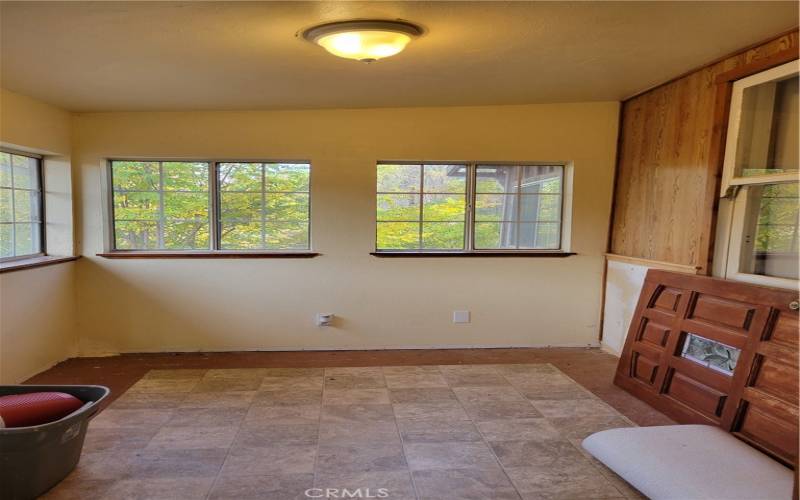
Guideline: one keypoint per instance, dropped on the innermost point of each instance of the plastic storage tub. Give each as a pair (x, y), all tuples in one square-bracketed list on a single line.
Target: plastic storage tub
[(34, 459)]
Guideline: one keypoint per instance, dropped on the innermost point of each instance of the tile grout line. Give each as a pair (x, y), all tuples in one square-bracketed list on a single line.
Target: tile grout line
[(516, 389), (477, 428), (230, 447), (139, 450), (400, 435), (319, 429), (600, 399)]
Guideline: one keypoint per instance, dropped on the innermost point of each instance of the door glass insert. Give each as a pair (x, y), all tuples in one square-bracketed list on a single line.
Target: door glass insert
[(710, 353)]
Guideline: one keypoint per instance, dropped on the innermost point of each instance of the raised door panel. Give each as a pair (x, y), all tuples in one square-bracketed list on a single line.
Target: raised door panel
[(785, 331), (654, 333), (770, 427), (696, 395), (666, 299), (644, 368), (776, 378), (721, 312)]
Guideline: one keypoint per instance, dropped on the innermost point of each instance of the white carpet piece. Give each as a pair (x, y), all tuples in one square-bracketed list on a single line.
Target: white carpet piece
[(690, 462)]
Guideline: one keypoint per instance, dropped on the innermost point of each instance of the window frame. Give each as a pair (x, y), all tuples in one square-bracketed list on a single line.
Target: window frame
[(214, 213), (42, 214), (736, 190), (730, 178), (736, 232), (469, 249), (518, 196), (421, 195), (217, 205)]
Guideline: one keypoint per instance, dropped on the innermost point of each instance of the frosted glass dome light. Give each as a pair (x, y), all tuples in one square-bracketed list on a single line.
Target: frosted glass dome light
[(365, 41)]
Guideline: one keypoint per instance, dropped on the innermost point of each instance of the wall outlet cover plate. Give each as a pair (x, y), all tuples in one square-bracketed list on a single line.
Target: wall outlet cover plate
[(460, 316)]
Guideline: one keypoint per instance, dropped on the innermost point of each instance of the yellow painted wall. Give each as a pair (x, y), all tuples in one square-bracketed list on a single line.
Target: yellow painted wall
[(37, 320), (189, 305), (28, 123), (37, 306)]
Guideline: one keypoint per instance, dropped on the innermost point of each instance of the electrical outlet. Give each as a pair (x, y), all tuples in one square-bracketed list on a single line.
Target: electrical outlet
[(460, 316), (324, 319)]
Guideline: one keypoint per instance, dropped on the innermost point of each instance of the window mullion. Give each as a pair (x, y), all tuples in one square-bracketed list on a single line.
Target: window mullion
[(263, 207), (214, 222), (162, 221), (421, 202), (562, 188), (469, 228), (536, 222), (13, 208), (519, 204), (42, 211)]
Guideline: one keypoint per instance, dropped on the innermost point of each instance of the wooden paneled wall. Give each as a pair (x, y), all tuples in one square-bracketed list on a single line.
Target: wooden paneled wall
[(664, 196)]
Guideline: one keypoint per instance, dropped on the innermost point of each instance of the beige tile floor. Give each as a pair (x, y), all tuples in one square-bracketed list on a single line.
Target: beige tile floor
[(399, 432)]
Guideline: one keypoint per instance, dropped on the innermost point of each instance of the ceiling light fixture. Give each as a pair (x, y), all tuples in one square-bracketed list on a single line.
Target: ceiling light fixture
[(363, 40)]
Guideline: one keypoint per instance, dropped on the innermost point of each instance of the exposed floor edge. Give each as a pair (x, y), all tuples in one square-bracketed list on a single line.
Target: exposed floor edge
[(609, 350), (46, 366), (178, 350)]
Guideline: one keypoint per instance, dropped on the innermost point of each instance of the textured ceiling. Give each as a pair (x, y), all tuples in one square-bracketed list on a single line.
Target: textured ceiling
[(107, 56)]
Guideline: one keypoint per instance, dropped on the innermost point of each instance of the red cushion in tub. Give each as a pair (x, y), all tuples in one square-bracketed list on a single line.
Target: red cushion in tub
[(36, 408)]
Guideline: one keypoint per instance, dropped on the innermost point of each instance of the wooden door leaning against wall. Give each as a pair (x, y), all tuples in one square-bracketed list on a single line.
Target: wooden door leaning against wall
[(717, 352)]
